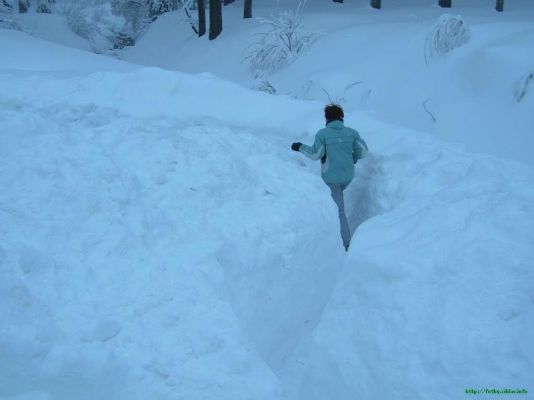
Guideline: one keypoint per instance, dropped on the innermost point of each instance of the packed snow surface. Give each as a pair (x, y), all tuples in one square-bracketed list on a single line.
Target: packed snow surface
[(159, 240)]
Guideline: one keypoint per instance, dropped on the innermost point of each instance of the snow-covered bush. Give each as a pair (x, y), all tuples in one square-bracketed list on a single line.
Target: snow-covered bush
[(447, 34), (44, 6), (281, 44), (97, 24), (112, 24), (264, 86), (523, 86), (6, 6), (158, 7), (136, 14), (123, 40)]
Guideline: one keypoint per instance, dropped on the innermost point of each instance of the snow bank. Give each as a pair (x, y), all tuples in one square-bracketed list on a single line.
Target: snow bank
[(138, 210), (204, 99), (52, 28), (21, 52)]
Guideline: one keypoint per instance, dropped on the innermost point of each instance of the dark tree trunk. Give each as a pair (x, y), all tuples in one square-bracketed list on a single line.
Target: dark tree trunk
[(500, 5), (337, 1), (247, 10), (215, 18), (226, 2), (201, 5), (445, 3), (376, 4)]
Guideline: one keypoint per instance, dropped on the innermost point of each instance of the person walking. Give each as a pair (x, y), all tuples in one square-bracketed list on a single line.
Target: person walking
[(339, 148)]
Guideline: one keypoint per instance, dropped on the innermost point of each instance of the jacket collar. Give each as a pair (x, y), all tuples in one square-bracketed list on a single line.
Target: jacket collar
[(336, 124)]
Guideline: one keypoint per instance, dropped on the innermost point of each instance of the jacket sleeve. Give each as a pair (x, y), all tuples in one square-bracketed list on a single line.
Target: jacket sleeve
[(316, 151), (359, 148)]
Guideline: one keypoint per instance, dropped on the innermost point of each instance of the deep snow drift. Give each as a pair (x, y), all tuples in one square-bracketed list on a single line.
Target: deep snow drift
[(133, 226), (158, 239)]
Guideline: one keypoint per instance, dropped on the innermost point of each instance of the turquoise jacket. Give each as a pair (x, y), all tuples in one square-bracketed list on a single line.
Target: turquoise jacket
[(342, 146)]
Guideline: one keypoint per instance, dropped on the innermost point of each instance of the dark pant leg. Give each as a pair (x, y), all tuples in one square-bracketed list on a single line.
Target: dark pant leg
[(337, 195)]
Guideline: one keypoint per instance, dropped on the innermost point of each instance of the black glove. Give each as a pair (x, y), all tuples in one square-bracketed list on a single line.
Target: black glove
[(296, 146)]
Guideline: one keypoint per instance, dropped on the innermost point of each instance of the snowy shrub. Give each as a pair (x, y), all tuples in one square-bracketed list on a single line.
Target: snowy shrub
[(44, 6), (449, 33), (265, 86), (159, 7), (338, 98), (339, 93), (523, 85), (123, 40), (6, 6), (281, 44), (97, 24), (136, 14)]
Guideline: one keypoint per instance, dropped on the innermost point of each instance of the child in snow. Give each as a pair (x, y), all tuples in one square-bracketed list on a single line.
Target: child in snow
[(339, 148)]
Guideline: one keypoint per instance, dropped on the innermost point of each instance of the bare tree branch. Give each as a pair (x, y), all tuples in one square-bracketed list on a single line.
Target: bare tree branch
[(428, 111)]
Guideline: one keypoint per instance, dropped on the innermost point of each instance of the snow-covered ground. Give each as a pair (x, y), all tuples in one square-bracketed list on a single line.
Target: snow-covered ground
[(470, 92), (158, 239)]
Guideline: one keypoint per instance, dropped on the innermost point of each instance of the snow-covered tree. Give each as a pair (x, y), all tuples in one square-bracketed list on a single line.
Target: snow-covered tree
[(281, 44), (447, 34)]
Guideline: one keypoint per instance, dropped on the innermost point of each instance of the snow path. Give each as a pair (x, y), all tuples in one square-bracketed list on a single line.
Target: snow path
[(171, 245), (438, 290)]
